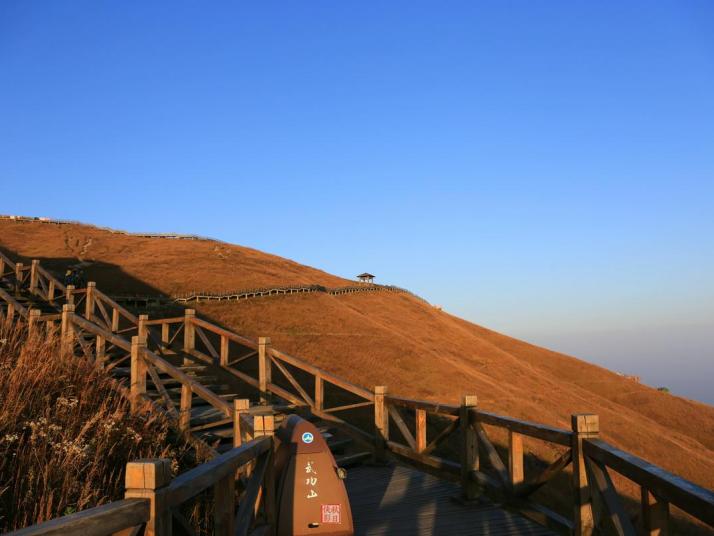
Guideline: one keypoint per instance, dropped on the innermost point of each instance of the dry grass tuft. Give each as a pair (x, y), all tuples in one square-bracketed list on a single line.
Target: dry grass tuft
[(66, 433)]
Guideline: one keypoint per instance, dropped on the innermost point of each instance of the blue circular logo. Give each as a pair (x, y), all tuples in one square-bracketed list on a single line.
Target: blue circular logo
[(307, 437)]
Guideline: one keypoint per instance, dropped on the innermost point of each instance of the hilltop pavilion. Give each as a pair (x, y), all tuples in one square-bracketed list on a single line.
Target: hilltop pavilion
[(366, 278)]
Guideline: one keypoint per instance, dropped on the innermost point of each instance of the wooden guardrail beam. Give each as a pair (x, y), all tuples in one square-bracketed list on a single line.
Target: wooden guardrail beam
[(666, 486), (100, 521)]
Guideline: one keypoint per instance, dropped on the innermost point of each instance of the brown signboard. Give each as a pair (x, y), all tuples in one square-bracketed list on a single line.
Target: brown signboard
[(312, 498)]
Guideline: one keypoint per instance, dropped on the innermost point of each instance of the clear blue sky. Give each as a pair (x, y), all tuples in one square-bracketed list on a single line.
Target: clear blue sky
[(544, 169)]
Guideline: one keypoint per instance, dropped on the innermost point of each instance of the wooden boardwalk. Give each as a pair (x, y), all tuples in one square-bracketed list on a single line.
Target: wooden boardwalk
[(398, 500)]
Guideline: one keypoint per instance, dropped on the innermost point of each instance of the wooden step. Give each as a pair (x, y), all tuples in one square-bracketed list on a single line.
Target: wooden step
[(352, 459), (205, 415), (203, 380), (175, 392), (339, 444)]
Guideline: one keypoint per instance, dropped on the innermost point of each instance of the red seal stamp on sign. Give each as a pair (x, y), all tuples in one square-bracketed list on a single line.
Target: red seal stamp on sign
[(331, 513)]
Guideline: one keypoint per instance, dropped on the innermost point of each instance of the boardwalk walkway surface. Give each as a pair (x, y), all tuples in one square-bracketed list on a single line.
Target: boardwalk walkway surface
[(398, 500)]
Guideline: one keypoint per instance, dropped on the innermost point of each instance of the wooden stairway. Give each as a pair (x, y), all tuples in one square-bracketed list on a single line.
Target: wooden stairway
[(109, 334)]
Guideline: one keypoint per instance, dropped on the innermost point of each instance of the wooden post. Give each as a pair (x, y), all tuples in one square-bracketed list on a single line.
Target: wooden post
[(18, 277), (142, 329), (138, 372), (34, 275), (32, 320), (149, 479), (115, 320), (319, 393), (469, 448), (51, 291), (655, 514), (240, 405), (381, 424), (10, 315), (264, 368), (224, 495), (70, 294), (224, 350), (584, 426), (185, 407), (100, 353), (165, 331), (67, 330), (264, 425), (89, 301), (189, 334), (515, 459), (420, 429)]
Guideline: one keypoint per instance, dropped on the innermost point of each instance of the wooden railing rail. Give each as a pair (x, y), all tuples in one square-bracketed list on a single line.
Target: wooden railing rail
[(538, 431), (659, 489), (108, 519), (153, 497), (326, 376), (143, 360), (161, 321), (13, 307), (476, 463)]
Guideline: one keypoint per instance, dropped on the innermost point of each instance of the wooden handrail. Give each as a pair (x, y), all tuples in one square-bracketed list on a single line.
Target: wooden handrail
[(686, 495), (6, 259), (126, 314), (98, 521), (531, 429), (196, 387), (191, 483), (326, 376), (224, 333), (431, 407), (58, 284), (160, 321), (21, 309), (97, 330)]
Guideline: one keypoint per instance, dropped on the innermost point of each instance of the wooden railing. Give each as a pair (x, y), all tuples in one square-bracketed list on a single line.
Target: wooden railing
[(659, 489), (475, 462), (153, 497), (452, 441)]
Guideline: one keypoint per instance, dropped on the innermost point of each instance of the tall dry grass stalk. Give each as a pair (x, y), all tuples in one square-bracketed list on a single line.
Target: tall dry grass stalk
[(67, 432)]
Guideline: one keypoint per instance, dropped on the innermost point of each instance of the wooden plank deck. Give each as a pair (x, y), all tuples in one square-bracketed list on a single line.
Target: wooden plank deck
[(398, 500)]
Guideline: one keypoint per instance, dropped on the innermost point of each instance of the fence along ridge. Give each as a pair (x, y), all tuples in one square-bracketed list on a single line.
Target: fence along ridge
[(54, 221), (590, 457), (285, 289)]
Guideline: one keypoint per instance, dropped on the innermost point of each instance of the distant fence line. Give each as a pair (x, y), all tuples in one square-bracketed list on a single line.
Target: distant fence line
[(176, 236), (245, 294)]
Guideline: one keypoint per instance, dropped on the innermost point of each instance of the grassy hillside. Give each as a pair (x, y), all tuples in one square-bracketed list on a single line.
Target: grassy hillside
[(391, 339), (417, 351), (129, 264)]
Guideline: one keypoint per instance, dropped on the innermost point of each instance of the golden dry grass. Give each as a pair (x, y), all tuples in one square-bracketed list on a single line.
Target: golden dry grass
[(66, 433)]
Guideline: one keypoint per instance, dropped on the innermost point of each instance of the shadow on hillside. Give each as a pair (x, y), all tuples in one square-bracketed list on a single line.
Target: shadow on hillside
[(110, 278)]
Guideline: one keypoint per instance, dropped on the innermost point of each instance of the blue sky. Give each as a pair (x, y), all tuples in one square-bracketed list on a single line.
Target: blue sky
[(544, 169)]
